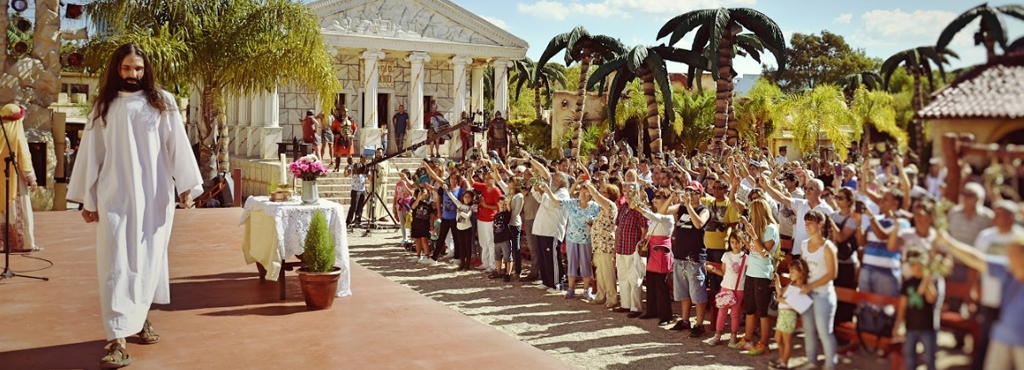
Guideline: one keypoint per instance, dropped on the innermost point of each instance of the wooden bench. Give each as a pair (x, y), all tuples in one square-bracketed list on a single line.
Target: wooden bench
[(296, 148), (892, 349), (954, 321)]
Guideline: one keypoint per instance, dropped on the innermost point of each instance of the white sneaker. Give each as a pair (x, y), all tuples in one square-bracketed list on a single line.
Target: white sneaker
[(555, 291), (481, 267)]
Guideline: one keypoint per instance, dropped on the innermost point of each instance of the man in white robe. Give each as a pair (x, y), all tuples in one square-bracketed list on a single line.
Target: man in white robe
[(133, 155)]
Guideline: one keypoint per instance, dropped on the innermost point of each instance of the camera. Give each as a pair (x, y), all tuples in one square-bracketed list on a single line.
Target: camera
[(715, 225)]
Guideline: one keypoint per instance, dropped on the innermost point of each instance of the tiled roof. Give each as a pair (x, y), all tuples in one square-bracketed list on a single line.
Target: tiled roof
[(994, 90)]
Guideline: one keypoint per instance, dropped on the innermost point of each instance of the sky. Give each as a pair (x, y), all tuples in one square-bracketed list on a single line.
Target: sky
[(881, 28)]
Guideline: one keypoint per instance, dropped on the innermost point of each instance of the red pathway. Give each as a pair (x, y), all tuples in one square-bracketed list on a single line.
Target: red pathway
[(222, 318)]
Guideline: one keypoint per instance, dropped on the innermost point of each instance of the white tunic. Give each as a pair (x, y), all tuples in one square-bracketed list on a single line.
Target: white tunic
[(128, 171)]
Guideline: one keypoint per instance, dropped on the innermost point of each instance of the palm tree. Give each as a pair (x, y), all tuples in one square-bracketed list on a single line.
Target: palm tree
[(875, 108), (582, 47), (990, 31), (816, 113), (648, 64), (918, 61), (239, 46), (851, 82), (696, 123), (755, 111), (718, 30), (527, 73)]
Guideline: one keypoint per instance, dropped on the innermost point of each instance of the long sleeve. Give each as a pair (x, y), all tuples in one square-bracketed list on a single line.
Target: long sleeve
[(24, 156), (517, 209), (662, 223), (182, 162), (88, 165)]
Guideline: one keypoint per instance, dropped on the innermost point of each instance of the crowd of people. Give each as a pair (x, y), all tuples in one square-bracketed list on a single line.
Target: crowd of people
[(759, 240)]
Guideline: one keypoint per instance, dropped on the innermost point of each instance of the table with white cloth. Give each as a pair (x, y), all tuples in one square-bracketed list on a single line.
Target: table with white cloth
[(276, 231)]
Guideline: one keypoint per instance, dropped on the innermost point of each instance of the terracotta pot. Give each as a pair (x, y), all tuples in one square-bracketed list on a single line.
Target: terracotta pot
[(318, 288)]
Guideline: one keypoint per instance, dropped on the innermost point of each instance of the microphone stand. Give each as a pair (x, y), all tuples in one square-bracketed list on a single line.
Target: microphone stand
[(8, 162)]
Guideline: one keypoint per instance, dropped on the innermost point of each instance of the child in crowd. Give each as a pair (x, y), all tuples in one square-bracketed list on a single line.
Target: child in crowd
[(734, 266), (422, 213), (502, 241), (920, 304), (463, 228), (786, 324)]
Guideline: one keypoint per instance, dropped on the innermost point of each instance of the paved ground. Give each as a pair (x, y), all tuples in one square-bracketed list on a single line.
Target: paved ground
[(574, 331)]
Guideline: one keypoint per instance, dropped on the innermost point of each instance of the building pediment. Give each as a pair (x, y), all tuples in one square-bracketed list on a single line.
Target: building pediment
[(431, 21)]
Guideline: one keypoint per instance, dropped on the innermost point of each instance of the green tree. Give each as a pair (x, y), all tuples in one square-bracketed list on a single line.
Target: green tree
[(918, 61), (991, 30), (718, 30), (696, 124), (821, 112), (818, 59), (874, 108), (851, 82), (647, 64), (755, 110), (220, 47), (586, 49), (527, 74)]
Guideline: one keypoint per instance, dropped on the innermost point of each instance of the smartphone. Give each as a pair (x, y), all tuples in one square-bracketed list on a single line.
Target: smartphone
[(860, 206)]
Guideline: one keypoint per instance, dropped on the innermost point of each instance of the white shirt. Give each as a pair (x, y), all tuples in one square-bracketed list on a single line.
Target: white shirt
[(786, 216), (933, 184), (781, 160), (816, 263), (730, 259), (993, 243), (551, 217), (801, 207)]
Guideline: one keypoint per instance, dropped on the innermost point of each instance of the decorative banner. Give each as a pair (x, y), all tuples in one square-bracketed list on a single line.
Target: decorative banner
[(386, 72)]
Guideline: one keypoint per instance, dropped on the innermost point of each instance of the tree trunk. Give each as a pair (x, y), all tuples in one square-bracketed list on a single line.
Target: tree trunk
[(536, 99), (581, 95), (918, 123), (653, 118), (725, 120), (211, 107), (4, 22)]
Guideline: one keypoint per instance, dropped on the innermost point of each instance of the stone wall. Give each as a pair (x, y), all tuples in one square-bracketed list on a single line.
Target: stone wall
[(257, 176)]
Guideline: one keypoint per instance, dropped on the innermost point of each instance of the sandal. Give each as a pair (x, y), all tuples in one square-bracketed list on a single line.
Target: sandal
[(116, 358), (148, 335)]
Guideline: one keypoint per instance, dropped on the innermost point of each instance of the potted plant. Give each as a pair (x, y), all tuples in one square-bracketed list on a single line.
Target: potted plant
[(308, 168), (319, 277)]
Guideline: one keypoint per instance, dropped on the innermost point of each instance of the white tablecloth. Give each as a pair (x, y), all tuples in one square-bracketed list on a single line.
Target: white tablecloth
[(275, 231)]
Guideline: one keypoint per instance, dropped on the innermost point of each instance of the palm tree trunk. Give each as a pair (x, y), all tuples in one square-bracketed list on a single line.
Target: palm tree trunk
[(581, 95), (536, 100), (211, 107), (725, 120), (918, 102), (4, 22), (653, 118)]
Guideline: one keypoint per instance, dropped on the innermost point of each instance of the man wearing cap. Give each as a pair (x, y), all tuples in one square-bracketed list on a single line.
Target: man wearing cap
[(935, 180), (781, 159), (786, 216), (966, 221), (689, 256), (849, 177)]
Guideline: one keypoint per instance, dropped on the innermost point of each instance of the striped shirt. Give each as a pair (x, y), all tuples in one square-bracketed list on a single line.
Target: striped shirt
[(877, 253)]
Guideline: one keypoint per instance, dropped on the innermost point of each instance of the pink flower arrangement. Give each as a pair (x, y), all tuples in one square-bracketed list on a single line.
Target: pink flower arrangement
[(308, 168)]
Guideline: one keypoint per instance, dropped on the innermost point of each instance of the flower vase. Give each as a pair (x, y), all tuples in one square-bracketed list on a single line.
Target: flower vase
[(310, 193)]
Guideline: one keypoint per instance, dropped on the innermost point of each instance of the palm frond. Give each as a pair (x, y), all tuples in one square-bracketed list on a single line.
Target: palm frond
[(682, 24), (876, 108), (766, 30), (1016, 45), (959, 23)]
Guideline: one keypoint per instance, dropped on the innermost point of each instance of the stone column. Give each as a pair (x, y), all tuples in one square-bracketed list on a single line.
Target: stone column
[(477, 102), (501, 66), (238, 132), (271, 132), (252, 131), (416, 132), (459, 63), (371, 73)]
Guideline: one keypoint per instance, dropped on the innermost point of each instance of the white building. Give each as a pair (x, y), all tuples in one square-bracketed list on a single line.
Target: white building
[(387, 53)]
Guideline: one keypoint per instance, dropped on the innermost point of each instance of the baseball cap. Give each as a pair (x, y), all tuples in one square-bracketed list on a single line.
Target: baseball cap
[(696, 186)]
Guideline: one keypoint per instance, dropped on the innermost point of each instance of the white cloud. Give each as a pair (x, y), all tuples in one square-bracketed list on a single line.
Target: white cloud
[(497, 22), (660, 9), (896, 27), (844, 18)]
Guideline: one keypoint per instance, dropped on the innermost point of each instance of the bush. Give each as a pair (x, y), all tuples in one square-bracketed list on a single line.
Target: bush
[(319, 245), (534, 134)]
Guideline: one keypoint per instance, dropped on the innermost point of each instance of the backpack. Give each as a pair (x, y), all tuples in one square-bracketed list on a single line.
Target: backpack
[(875, 320)]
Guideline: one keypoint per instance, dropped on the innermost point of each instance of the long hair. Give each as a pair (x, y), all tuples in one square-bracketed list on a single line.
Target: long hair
[(112, 82), (760, 217)]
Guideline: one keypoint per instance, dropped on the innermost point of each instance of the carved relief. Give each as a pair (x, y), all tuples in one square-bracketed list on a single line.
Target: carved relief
[(400, 19)]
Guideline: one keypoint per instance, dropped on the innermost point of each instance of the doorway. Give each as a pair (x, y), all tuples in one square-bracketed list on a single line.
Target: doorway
[(383, 110)]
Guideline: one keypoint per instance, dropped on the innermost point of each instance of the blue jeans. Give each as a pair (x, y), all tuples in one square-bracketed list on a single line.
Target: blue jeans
[(877, 280), (818, 324), (929, 338)]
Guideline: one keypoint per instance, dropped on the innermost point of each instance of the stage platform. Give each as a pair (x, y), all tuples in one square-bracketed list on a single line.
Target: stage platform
[(222, 318)]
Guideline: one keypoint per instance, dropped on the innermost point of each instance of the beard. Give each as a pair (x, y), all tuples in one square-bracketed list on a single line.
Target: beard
[(131, 84)]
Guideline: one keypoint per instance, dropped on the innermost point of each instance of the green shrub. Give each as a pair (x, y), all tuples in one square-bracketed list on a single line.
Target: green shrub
[(319, 245), (534, 134)]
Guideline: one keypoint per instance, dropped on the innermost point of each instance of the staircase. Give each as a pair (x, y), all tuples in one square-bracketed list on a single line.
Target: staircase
[(335, 186)]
